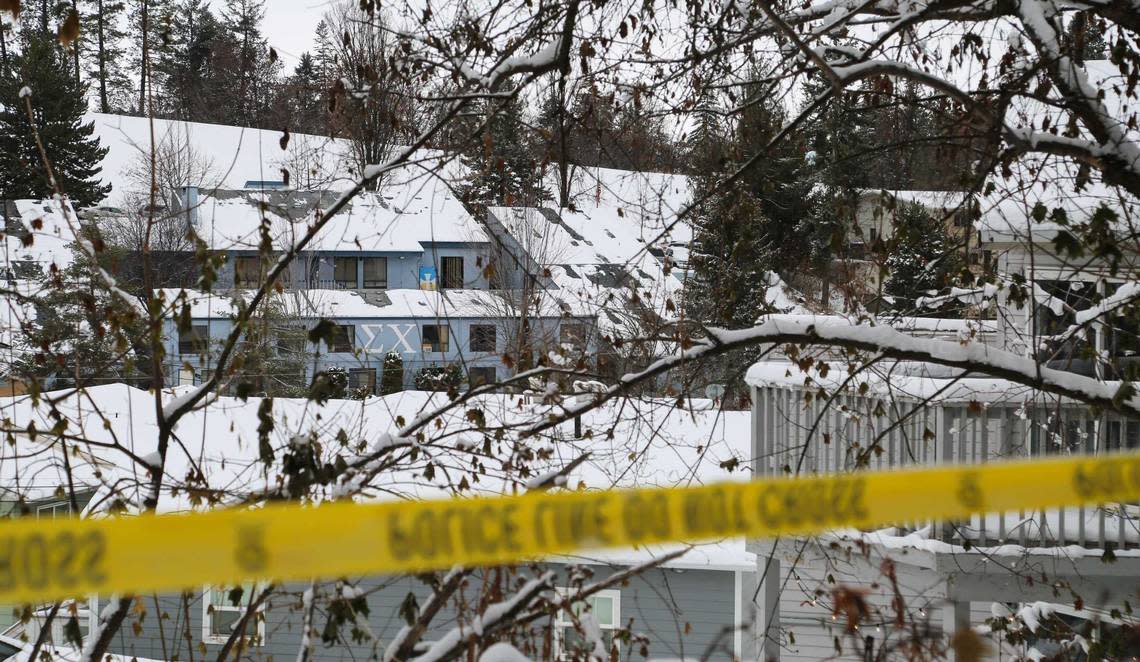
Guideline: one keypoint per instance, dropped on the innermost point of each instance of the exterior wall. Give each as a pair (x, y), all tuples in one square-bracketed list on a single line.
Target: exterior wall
[(681, 612), (1038, 263), (316, 269), (374, 338), (807, 630)]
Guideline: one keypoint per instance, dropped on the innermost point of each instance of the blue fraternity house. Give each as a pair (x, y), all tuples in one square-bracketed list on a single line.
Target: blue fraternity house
[(407, 271)]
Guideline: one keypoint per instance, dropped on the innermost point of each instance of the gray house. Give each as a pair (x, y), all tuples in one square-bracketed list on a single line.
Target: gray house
[(688, 607), (408, 270), (1007, 569)]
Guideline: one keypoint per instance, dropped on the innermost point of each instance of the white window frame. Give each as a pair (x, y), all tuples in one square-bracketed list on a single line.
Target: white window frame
[(84, 613), (257, 638), (563, 620), (54, 508)]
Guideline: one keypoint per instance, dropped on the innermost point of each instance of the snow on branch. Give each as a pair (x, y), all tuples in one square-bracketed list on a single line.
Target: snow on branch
[(555, 55), (495, 616), (1083, 99), (881, 340)]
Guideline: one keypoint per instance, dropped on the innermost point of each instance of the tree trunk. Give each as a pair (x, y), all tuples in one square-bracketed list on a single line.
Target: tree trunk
[(101, 58), (44, 16), (143, 56), (75, 44)]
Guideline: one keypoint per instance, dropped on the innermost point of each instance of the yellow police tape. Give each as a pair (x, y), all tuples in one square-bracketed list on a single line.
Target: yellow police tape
[(41, 560)]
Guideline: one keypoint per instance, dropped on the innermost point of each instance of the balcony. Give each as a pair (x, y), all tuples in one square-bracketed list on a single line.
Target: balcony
[(913, 414), (336, 284)]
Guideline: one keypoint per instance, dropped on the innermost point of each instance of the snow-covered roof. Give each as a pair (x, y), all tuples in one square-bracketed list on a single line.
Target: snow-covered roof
[(378, 304), (1007, 211), (233, 155), (1009, 217), (599, 257), (947, 200), (402, 217), (654, 443), (649, 199), (917, 381), (38, 233)]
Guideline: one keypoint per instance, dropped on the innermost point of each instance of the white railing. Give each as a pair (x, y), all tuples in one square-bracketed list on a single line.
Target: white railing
[(809, 430)]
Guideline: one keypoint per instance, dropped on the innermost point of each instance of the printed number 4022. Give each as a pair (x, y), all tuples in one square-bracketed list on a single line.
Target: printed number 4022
[(39, 561)]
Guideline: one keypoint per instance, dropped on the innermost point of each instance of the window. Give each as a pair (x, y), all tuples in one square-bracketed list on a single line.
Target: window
[(194, 340), (451, 276), (573, 335), (375, 273), (434, 338), (247, 271), (85, 611), (344, 273), (604, 607), (362, 379), (222, 609), (53, 510), (481, 376), (1054, 315), (483, 338), (290, 342), (343, 338), (1121, 331)]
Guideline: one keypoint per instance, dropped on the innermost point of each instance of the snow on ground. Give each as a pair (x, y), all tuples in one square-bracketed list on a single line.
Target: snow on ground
[(653, 443)]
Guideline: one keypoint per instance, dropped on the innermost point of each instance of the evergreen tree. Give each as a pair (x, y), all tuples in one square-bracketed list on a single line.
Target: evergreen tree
[(303, 97), (105, 55), (838, 138), (190, 78), (1085, 37), (705, 147), (783, 183), (640, 136), (504, 171), (392, 381), (58, 106), (252, 70), (147, 22), (922, 258), (727, 285), (81, 334), (324, 53)]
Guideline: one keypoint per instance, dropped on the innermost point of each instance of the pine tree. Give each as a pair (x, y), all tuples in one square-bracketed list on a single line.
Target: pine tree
[(105, 55), (392, 381), (640, 136), (303, 96), (783, 183), (706, 148), (504, 171), (186, 66), (252, 69), (838, 138), (324, 53), (727, 285), (81, 333), (58, 107), (922, 258), (147, 21)]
